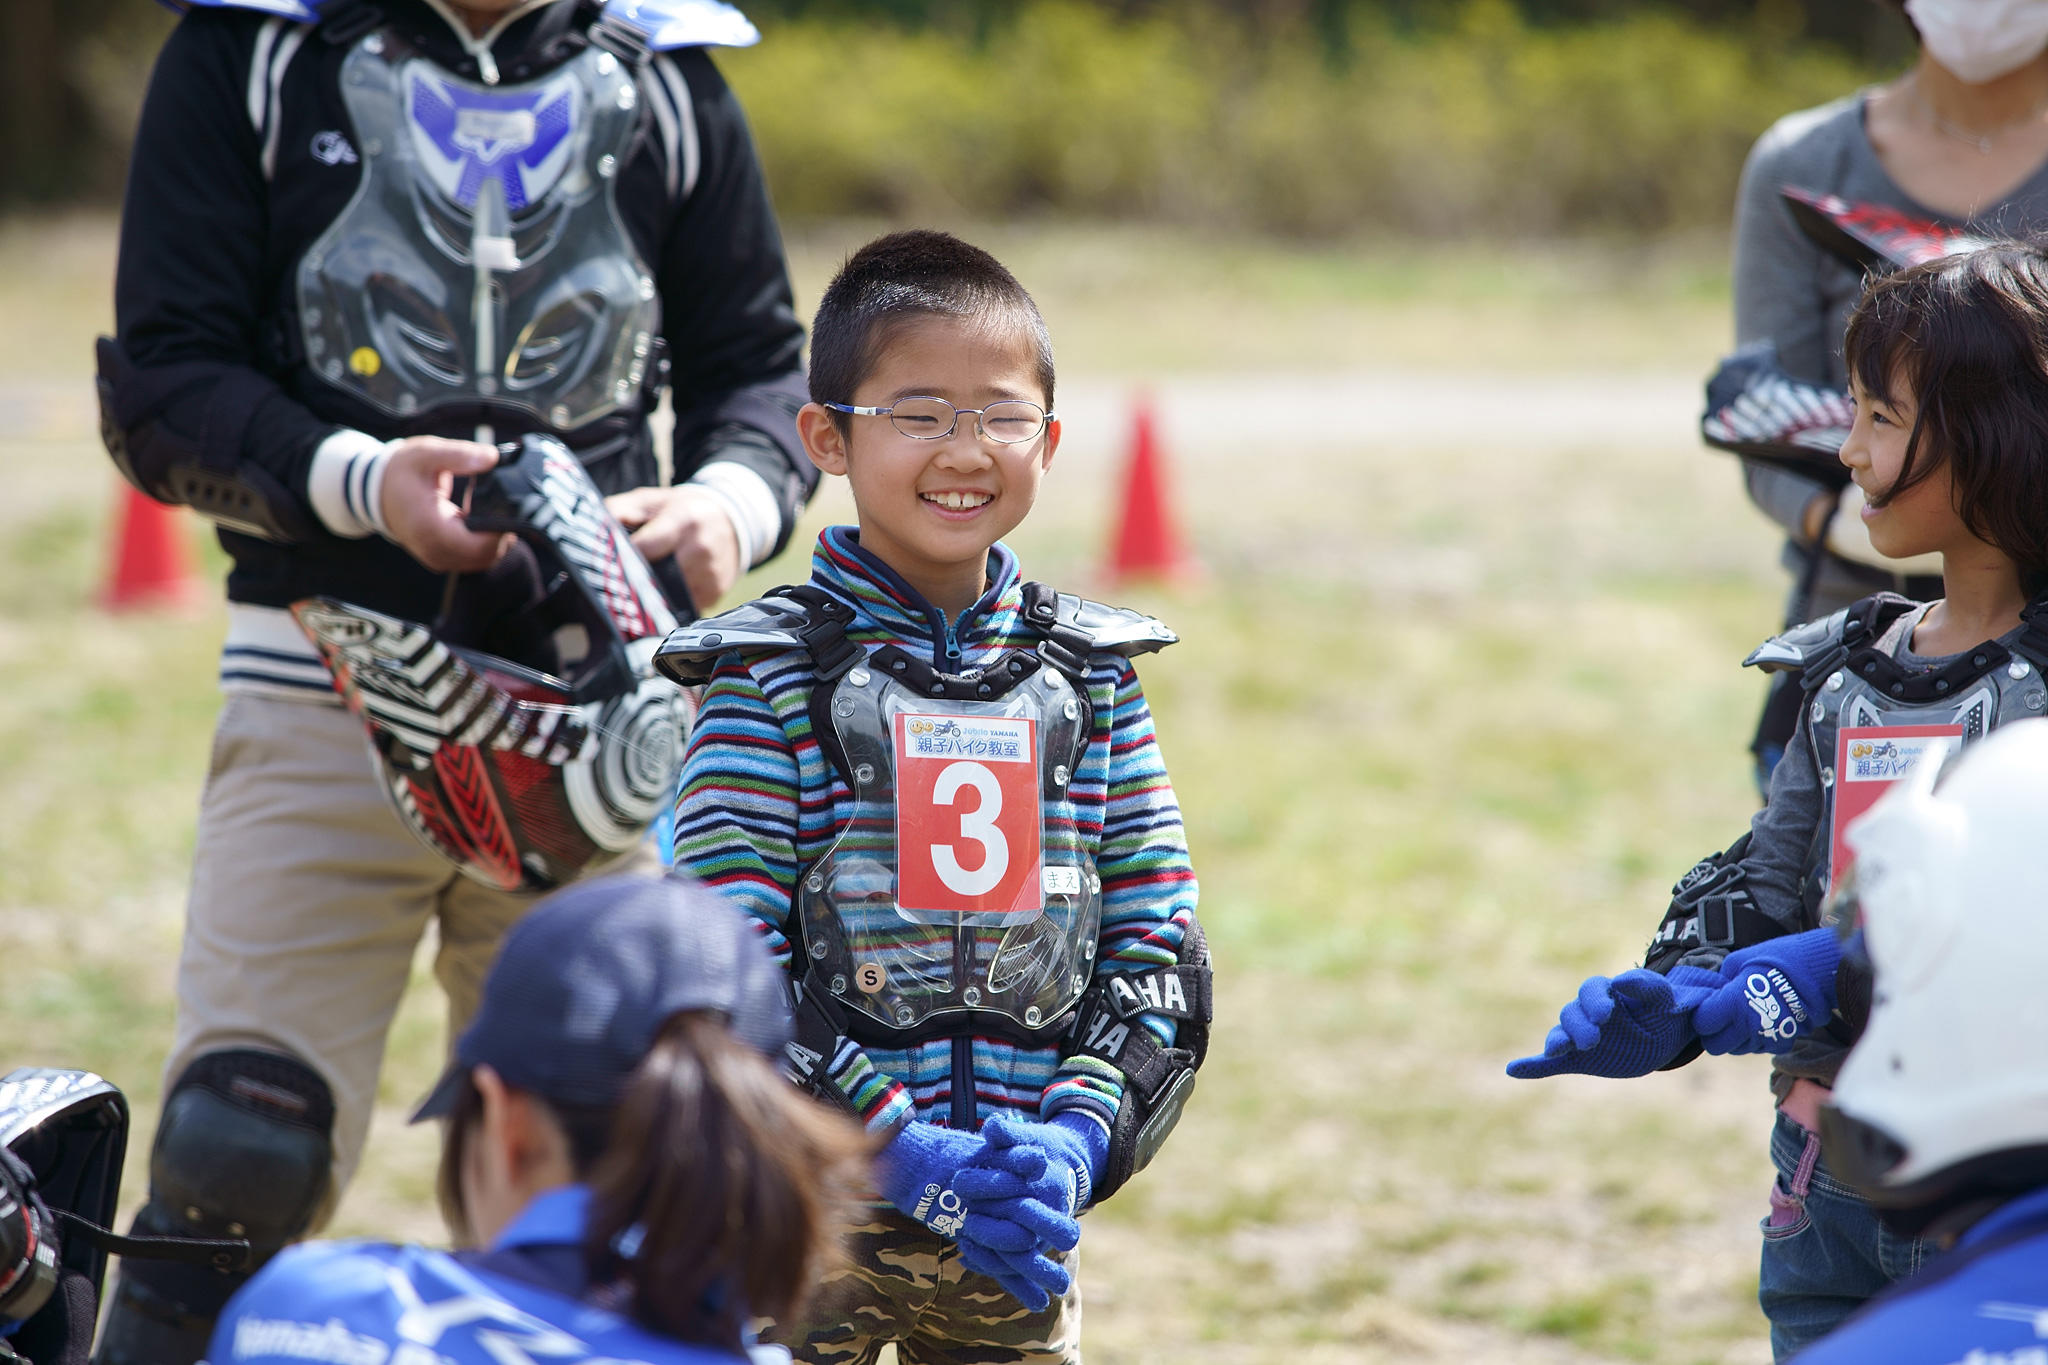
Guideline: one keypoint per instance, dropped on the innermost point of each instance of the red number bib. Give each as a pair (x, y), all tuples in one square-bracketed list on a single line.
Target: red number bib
[(968, 831)]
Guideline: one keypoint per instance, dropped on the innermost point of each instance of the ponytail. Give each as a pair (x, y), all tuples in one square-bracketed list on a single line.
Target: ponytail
[(716, 1197)]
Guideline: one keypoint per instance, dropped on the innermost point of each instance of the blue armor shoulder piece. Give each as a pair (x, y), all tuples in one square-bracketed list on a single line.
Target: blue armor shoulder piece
[(1118, 630), (304, 11), (1799, 646), (763, 625), (669, 24)]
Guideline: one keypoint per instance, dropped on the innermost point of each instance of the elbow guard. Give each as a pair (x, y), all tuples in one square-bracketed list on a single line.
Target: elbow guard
[(205, 471), (1711, 907), (1157, 1079)]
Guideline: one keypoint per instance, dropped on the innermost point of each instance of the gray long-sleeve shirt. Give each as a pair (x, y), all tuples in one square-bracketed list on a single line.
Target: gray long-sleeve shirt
[(1794, 293)]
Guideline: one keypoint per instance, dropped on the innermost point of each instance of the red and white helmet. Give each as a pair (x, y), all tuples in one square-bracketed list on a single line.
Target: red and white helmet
[(521, 771)]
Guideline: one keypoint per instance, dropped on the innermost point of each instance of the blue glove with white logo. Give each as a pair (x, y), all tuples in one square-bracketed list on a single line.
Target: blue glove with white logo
[(1057, 1163), (1773, 994), (917, 1172), (1626, 1025)]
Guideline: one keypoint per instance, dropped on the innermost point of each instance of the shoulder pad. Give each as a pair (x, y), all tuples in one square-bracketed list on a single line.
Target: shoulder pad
[(305, 11), (765, 624), (1116, 629), (1799, 646), (670, 24)]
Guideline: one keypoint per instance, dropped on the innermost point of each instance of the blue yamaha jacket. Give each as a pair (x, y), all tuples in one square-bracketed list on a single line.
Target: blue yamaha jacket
[(1983, 1303), (375, 1303)]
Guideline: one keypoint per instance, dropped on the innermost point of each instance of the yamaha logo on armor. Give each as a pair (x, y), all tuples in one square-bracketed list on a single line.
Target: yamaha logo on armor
[(1152, 991)]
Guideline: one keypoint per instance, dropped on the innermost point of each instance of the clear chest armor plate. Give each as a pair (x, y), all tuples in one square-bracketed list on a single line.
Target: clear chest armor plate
[(1850, 683), (959, 884), (960, 894), (483, 259)]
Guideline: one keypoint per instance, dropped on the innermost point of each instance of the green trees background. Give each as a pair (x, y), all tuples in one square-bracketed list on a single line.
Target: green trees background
[(1311, 118)]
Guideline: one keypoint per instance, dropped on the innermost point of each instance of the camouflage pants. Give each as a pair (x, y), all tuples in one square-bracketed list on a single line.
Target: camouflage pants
[(904, 1283)]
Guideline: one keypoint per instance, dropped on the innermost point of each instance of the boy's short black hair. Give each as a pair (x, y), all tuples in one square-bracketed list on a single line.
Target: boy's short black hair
[(1968, 334), (903, 277)]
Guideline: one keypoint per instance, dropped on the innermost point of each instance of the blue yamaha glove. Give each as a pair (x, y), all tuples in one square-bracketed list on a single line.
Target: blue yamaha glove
[(1058, 1163), (917, 1170), (1773, 993), (1627, 1025)]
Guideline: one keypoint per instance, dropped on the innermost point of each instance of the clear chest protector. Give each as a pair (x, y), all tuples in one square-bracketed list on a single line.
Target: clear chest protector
[(959, 894), (483, 259)]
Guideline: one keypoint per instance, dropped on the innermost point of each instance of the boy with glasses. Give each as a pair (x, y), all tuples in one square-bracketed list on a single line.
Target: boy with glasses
[(936, 787)]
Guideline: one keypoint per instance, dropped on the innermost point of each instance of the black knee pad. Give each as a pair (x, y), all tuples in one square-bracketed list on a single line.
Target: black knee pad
[(243, 1150)]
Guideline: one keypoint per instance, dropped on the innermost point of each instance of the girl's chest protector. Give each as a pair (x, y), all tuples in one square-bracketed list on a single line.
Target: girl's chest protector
[(483, 259)]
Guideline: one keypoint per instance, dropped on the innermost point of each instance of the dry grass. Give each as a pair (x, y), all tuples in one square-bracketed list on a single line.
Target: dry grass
[(1457, 702)]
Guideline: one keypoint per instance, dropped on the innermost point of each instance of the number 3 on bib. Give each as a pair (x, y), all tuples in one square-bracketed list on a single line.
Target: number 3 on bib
[(968, 830)]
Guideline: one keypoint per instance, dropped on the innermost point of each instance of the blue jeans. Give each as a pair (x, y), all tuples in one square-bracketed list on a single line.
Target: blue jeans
[(1825, 1252)]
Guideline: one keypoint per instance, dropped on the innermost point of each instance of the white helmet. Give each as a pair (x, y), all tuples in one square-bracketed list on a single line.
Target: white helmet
[(1941, 1111)]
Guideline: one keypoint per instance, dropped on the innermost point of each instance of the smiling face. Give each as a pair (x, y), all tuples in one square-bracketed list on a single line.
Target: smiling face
[(1921, 519), (930, 509)]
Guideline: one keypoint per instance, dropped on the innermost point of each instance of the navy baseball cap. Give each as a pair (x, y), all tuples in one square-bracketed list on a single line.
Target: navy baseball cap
[(583, 984)]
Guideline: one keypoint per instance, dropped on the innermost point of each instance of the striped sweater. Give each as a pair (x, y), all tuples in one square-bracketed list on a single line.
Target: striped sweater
[(760, 801)]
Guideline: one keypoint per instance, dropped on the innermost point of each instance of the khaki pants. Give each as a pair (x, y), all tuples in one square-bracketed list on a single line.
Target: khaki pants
[(308, 899)]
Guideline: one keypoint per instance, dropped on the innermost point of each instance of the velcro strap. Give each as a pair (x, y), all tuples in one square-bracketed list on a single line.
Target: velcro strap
[(620, 39), (1064, 647), (1126, 1044), (1722, 918), (824, 630)]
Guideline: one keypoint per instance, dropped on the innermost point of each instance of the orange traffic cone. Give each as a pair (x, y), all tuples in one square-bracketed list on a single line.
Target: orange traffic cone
[(152, 560), (1148, 543)]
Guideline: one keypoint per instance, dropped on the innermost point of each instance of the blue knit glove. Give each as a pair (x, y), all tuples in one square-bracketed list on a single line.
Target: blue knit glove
[(1074, 1147), (995, 1244), (917, 1171), (1015, 1275), (1627, 1025), (1773, 994), (1058, 1163)]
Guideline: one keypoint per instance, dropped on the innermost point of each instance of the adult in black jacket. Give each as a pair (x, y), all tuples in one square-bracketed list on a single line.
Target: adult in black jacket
[(364, 240)]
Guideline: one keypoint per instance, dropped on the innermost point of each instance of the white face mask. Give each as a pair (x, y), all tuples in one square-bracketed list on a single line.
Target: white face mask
[(1981, 40)]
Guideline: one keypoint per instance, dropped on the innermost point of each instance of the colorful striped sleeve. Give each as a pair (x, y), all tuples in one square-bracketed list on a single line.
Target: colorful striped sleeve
[(737, 814), (1148, 885)]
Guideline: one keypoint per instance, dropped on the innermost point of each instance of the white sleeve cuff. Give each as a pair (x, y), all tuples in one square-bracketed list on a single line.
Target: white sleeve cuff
[(749, 501), (346, 483)]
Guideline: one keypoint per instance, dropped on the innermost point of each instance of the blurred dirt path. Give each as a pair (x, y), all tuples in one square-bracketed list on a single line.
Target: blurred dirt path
[(49, 444), (1258, 414)]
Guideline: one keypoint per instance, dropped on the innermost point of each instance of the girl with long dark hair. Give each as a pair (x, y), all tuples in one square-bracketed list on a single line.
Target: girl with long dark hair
[(633, 1179)]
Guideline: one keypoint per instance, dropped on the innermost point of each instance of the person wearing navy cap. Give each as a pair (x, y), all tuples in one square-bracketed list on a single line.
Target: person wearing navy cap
[(634, 1179)]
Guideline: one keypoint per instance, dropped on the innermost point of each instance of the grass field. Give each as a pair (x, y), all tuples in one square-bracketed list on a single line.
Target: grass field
[(1458, 700)]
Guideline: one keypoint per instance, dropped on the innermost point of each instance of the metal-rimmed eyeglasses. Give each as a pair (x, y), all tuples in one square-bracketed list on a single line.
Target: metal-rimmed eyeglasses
[(1011, 422)]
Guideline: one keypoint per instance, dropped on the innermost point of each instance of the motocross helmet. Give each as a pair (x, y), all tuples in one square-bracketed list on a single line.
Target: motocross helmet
[(62, 1137), (524, 736), (1940, 1112)]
